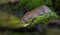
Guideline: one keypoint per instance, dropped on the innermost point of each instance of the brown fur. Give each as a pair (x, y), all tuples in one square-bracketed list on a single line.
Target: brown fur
[(35, 12)]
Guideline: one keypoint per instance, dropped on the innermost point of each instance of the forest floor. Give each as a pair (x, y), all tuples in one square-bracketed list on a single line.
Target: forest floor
[(50, 31)]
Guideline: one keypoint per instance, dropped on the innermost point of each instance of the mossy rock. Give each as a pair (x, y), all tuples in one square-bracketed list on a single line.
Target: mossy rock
[(16, 22)]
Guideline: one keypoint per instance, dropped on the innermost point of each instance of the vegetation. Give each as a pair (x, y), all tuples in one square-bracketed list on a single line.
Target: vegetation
[(42, 18), (10, 20), (28, 4)]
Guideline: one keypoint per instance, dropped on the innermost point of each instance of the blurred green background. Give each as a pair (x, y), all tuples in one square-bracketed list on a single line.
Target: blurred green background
[(26, 5)]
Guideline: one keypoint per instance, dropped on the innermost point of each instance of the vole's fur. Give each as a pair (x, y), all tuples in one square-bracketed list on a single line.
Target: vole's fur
[(35, 12)]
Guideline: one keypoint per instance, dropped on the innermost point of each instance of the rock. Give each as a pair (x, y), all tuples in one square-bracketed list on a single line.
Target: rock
[(5, 2), (54, 23), (13, 1), (37, 28)]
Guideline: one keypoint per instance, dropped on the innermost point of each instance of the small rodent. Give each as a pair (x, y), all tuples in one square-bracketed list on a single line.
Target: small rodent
[(35, 12)]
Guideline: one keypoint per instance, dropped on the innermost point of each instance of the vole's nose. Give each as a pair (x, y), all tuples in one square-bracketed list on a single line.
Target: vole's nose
[(23, 21)]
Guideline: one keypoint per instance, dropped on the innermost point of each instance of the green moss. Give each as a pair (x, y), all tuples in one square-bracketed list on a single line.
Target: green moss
[(43, 18)]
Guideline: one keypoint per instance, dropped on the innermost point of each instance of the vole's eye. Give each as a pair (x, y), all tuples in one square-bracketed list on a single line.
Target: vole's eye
[(23, 19)]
